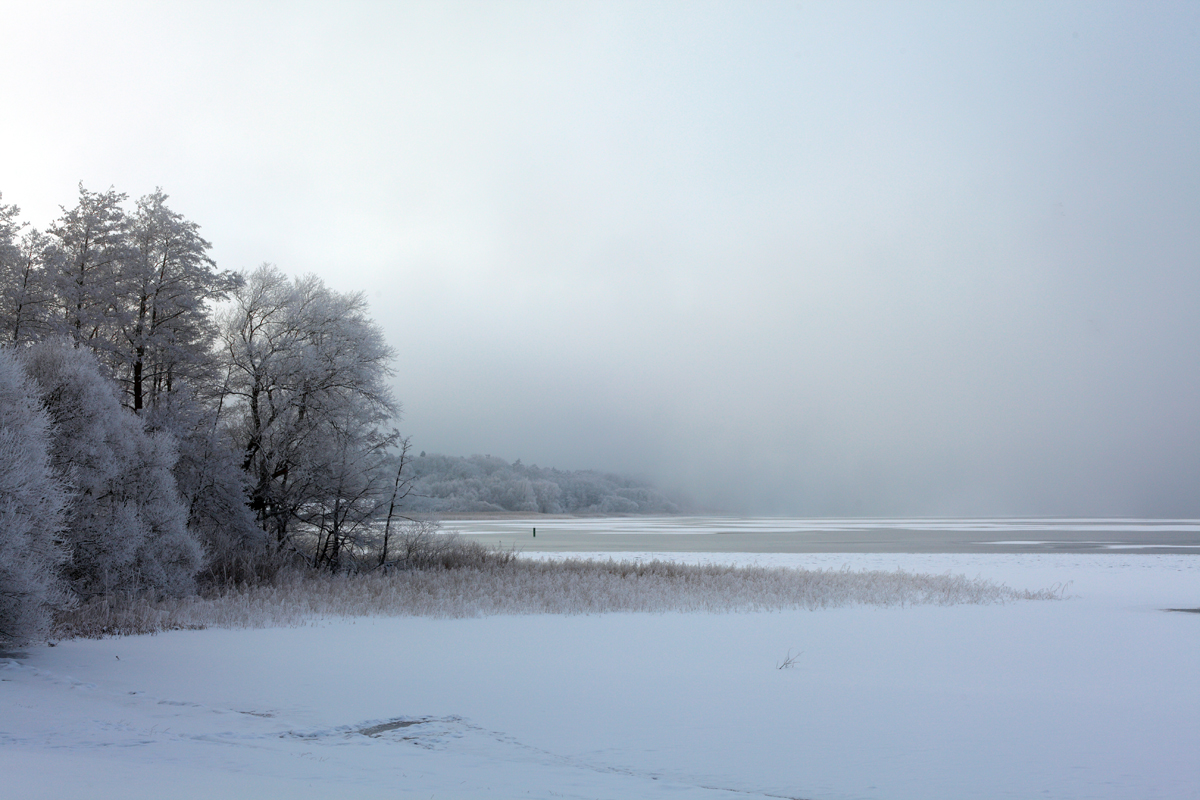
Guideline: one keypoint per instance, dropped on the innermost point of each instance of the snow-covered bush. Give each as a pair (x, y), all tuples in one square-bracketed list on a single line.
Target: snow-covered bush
[(421, 544), (213, 486), (32, 501), (126, 525)]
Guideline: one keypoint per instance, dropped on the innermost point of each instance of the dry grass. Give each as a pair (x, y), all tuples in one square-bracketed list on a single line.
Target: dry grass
[(500, 583)]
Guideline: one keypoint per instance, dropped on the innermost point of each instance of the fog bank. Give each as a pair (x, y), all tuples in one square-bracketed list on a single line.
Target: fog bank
[(788, 258)]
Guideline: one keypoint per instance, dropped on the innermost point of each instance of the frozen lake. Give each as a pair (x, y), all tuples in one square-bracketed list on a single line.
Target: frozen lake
[(1092, 696), (788, 535)]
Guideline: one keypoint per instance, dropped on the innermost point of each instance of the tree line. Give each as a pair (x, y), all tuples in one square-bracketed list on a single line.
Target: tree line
[(485, 483), (166, 424)]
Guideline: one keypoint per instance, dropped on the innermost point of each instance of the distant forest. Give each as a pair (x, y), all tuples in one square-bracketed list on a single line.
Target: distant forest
[(485, 483)]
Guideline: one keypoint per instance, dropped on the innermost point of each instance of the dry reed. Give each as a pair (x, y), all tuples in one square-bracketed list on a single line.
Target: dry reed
[(513, 585)]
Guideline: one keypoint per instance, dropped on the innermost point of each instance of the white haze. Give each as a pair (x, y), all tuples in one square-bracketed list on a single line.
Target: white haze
[(803, 258)]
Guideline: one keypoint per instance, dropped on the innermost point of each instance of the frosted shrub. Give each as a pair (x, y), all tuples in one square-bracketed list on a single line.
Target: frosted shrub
[(126, 526), (421, 545), (32, 499), (212, 484), (410, 545)]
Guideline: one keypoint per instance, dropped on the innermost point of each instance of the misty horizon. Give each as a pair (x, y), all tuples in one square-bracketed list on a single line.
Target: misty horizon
[(787, 259)]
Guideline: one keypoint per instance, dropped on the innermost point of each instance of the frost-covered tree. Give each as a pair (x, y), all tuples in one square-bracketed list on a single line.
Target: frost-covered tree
[(301, 360), (126, 525), (213, 488), (89, 244), (27, 292), (32, 502), (288, 409), (10, 227), (355, 468), (136, 289), (166, 332), (10, 258), (26, 295)]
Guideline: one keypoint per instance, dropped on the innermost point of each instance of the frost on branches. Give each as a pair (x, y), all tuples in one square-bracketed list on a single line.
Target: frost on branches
[(151, 443)]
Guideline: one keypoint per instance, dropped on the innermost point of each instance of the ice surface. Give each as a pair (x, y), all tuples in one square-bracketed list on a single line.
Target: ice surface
[(709, 524), (1090, 697), (746, 534)]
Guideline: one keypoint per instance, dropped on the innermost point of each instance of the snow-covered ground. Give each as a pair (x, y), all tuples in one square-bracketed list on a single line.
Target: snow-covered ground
[(1095, 696)]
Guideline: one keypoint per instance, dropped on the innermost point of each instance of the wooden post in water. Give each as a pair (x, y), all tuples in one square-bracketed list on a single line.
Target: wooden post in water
[(535, 533)]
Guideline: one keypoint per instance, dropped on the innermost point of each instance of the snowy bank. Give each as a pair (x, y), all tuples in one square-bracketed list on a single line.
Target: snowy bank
[(1091, 697)]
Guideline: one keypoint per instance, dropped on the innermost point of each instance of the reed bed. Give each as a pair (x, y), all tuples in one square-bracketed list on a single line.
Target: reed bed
[(509, 584)]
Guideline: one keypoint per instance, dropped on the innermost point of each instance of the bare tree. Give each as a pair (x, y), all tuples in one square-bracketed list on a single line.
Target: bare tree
[(401, 489), (353, 471)]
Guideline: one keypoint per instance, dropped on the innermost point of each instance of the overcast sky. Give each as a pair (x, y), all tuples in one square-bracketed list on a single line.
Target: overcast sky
[(810, 258)]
